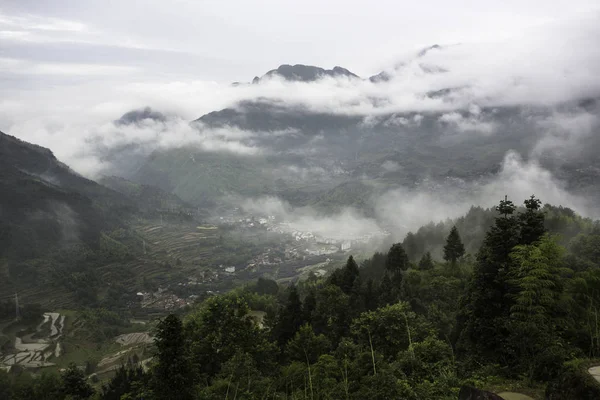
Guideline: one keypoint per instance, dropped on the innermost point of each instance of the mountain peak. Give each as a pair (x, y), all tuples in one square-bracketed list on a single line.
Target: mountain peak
[(139, 115), (306, 73)]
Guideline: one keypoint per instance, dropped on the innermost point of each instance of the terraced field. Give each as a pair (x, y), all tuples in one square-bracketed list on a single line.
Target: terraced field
[(33, 351), (187, 243)]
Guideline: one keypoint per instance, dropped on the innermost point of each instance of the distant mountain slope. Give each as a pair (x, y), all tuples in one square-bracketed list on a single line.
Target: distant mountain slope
[(45, 205), (147, 197), (265, 115)]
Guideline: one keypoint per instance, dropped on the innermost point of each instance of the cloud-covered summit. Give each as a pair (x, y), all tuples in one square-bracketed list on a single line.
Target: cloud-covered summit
[(305, 73)]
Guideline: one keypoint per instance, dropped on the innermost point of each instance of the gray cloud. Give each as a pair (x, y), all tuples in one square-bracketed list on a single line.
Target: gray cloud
[(68, 70)]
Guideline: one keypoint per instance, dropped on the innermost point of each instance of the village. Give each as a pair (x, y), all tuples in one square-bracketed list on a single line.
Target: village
[(285, 254)]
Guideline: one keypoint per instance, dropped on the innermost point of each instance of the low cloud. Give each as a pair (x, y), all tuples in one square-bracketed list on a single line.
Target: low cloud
[(406, 209), (344, 225)]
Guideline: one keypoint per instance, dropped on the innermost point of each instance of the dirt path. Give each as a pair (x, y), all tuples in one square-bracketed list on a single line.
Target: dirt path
[(595, 373)]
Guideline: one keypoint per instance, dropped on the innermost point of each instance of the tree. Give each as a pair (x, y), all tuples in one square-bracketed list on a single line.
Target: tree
[(370, 295), (485, 307), (535, 314), (310, 303), (397, 260), (173, 378), (532, 221), (388, 329), (454, 248), (349, 275), (426, 262), (220, 329), (266, 286), (331, 316), (290, 318), (305, 346), (386, 292), (74, 384)]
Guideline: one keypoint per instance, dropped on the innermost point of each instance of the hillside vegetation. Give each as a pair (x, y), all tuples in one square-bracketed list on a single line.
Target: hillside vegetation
[(518, 316)]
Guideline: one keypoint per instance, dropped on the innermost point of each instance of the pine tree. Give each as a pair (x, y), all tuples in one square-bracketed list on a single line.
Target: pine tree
[(532, 221), (370, 295), (535, 314), (349, 275), (396, 263), (310, 303), (426, 262), (397, 260), (386, 291), (291, 317), (485, 308), (173, 378), (454, 248)]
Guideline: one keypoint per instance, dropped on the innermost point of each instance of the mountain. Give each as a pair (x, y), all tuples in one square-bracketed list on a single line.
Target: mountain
[(46, 205), (305, 73), (148, 198), (140, 115), (305, 154)]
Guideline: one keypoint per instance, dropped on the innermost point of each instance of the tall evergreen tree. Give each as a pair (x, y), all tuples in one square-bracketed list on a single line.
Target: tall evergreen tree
[(454, 248), (173, 377), (396, 263), (397, 260), (485, 307), (370, 295), (532, 221), (349, 275), (536, 316), (426, 262), (310, 303), (290, 317), (386, 291)]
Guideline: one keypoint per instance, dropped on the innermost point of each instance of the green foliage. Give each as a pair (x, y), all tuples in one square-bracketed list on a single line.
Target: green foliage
[(173, 376), (397, 260), (573, 382), (305, 346), (266, 286), (389, 329), (426, 262), (220, 329), (290, 318), (454, 248), (521, 311), (74, 385)]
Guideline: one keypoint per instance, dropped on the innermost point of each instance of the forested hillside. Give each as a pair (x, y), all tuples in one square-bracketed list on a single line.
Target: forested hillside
[(519, 315)]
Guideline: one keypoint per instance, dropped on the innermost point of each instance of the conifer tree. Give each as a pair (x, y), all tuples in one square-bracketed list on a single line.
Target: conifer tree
[(485, 307), (397, 260), (454, 248), (426, 262), (290, 318), (349, 275), (173, 377), (310, 303), (532, 221)]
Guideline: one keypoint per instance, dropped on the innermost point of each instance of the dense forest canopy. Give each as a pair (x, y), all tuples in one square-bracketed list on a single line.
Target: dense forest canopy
[(523, 308)]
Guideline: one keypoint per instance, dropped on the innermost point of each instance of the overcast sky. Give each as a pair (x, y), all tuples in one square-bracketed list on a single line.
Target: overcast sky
[(68, 68), (65, 41)]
